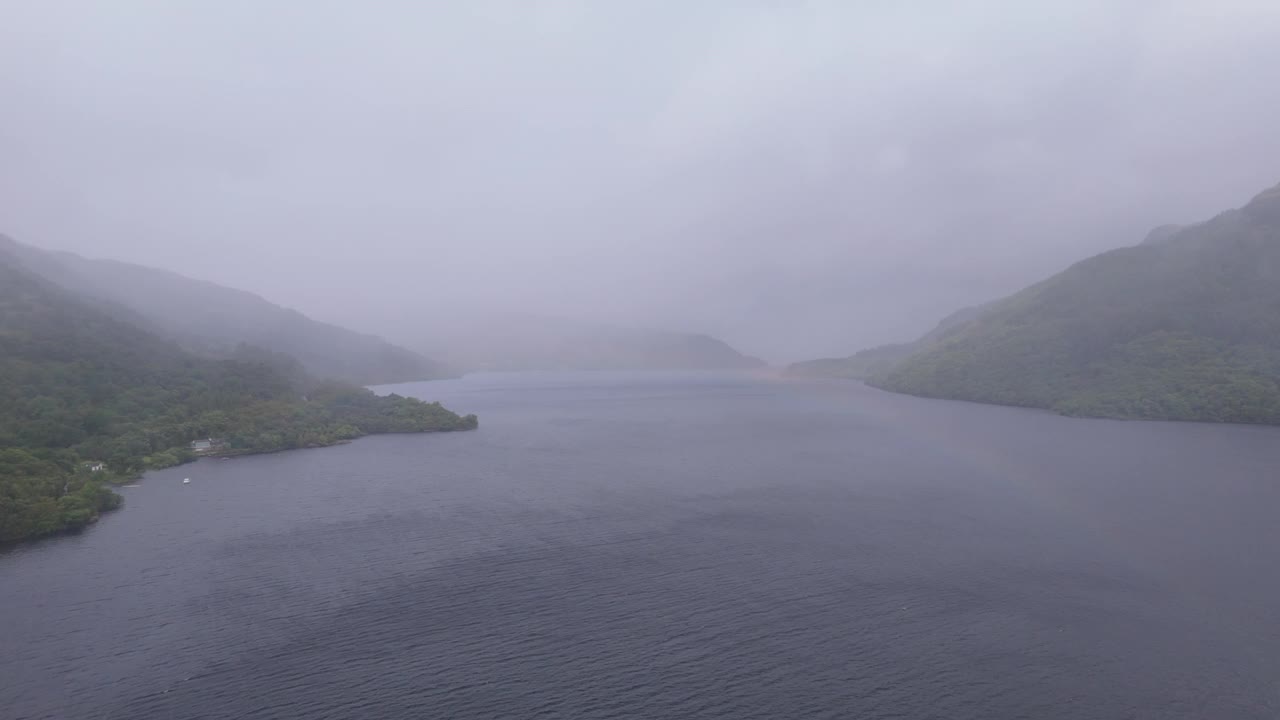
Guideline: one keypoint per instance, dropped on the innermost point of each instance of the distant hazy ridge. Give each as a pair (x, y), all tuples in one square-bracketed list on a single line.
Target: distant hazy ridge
[(520, 342)]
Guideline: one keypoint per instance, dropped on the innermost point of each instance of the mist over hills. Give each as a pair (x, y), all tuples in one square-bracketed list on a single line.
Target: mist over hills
[(514, 341), (213, 320)]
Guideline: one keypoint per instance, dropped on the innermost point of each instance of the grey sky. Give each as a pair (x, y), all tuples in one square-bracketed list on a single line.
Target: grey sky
[(801, 178)]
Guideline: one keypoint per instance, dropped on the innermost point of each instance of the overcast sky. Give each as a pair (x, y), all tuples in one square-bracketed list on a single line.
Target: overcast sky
[(798, 178)]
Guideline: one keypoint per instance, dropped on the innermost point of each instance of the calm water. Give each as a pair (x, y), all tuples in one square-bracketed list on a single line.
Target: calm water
[(675, 546)]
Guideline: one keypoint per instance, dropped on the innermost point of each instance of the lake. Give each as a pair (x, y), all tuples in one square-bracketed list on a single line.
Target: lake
[(675, 545)]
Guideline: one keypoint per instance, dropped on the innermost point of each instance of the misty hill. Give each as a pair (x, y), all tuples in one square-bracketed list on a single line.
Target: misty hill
[(213, 320), (1185, 326), (78, 384), (525, 342)]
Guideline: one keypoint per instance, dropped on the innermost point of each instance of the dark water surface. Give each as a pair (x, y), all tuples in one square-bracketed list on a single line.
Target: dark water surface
[(675, 546)]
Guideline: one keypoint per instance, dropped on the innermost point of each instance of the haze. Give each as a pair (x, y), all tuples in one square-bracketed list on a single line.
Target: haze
[(799, 179)]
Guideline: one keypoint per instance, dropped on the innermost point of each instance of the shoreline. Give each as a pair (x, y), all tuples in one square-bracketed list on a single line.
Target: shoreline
[(110, 485)]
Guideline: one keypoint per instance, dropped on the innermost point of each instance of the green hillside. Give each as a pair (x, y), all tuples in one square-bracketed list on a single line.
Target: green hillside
[(77, 385), (1185, 326)]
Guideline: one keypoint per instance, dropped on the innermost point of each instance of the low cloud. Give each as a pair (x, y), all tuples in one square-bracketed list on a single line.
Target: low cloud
[(799, 178)]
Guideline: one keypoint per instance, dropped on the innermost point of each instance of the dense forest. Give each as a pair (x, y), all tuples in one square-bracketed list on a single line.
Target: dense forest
[(80, 387), (1185, 326)]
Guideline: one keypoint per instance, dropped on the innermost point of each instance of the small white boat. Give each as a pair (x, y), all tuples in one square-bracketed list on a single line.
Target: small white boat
[(186, 480)]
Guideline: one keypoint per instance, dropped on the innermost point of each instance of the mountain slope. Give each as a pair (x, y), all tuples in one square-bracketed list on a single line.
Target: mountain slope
[(1185, 326), (77, 384), (213, 320), (875, 361)]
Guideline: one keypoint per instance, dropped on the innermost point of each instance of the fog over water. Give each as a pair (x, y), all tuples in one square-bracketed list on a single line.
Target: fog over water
[(799, 179)]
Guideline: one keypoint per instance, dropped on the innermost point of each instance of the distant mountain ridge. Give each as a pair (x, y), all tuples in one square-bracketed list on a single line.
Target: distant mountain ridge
[(511, 342), (214, 320), (1184, 326)]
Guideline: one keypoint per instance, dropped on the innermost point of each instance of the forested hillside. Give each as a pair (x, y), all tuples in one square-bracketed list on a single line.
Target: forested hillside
[(1185, 326), (79, 385), (213, 320)]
